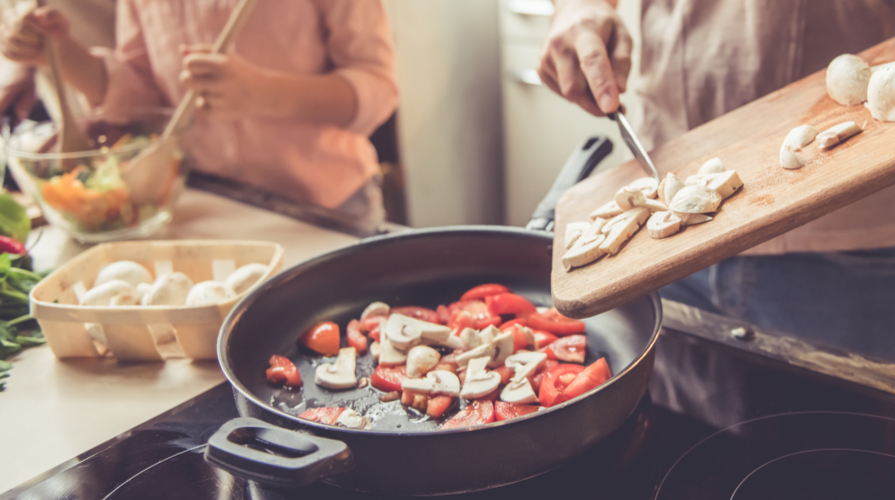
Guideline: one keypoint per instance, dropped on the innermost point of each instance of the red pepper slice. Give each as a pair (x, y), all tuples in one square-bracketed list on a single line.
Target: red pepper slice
[(323, 415), (471, 314), (356, 339), (475, 413), (420, 313), (554, 322), (389, 378), (509, 303), (543, 339), (282, 370), (482, 291), (9, 245)]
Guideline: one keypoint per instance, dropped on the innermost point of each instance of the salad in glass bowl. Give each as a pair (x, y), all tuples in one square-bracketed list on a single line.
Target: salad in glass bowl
[(95, 195)]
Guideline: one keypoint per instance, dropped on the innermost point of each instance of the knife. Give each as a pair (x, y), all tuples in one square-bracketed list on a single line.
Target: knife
[(633, 143)]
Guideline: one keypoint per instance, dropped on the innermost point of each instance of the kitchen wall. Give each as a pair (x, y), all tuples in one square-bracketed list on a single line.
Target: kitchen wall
[(481, 140)]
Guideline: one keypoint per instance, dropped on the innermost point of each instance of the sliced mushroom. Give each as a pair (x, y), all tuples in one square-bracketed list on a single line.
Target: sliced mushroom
[(518, 391), (654, 206), (388, 355), (800, 137), (587, 248), (354, 420), (627, 198), (788, 158), (847, 79), (375, 309), (420, 360), (663, 224), (647, 185), (375, 350), (695, 200), (469, 339), (713, 166), (103, 294), (479, 382), (836, 134), (405, 332), (524, 364), (608, 210), (670, 186), (881, 93), (503, 347), (725, 184), (692, 219), (623, 230), (574, 230), (484, 350), (436, 382), (339, 374), (624, 218)]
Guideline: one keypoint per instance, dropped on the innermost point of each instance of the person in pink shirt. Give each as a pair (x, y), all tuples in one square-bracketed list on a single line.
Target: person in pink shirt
[(288, 108)]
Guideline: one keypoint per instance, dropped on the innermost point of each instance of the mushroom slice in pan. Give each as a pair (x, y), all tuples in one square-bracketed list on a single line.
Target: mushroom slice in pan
[(354, 420), (388, 355), (646, 185), (623, 230), (627, 198), (375, 350), (695, 200), (608, 210), (420, 360), (574, 230), (519, 389), (713, 166), (503, 347), (375, 309), (479, 382), (436, 382), (340, 374), (469, 339), (663, 224), (800, 137), (836, 134), (405, 332)]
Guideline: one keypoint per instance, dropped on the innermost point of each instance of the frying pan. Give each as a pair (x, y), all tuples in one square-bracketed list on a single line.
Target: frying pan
[(405, 454)]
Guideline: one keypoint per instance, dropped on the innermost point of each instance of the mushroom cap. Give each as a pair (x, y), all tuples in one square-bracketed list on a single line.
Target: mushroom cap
[(712, 166), (881, 93), (103, 294), (339, 374), (208, 293), (125, 270), (169, 290), (245, 277), (847, 79), (421, 359)]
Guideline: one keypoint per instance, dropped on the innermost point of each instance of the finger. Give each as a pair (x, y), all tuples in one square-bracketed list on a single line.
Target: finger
[(547, 72), (197, 48), (620, 50), (198, 83), (594, 63), (573, 86), (204, 64)]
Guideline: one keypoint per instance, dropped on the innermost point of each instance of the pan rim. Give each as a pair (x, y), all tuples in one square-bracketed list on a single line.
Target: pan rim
[(502, 231)]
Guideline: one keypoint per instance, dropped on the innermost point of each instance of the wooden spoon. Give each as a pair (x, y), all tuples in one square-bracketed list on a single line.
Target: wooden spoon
[(145, 175), (70, 138)]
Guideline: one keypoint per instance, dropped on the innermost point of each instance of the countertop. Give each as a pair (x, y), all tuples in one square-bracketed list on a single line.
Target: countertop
[(53, 410)]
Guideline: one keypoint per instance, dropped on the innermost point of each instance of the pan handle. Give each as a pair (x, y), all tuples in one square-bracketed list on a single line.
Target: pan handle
[(582, 162), (274, 456)]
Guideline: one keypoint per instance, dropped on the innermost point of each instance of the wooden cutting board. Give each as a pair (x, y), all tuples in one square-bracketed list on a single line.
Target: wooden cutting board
[(771, 202)]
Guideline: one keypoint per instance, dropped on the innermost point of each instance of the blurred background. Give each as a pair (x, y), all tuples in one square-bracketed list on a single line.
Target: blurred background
[(477, 139)]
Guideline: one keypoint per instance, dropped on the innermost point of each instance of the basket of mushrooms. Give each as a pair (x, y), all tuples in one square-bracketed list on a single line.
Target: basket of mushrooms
[(149, 300)]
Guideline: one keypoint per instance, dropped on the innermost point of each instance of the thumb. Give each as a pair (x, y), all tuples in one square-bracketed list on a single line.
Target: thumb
[(196, 48)]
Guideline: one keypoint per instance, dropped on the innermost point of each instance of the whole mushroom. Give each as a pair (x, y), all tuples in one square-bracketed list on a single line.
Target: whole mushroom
[(169, 290), (208, 293), (103, 294), (881, 93), (125, 270), (847, 79), (245, 277)]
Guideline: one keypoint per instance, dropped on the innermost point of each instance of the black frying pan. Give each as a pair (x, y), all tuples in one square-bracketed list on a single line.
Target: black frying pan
[(404, 453)]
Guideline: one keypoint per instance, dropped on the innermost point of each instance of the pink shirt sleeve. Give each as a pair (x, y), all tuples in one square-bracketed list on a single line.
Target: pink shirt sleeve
[(359, 45), (130, 81)]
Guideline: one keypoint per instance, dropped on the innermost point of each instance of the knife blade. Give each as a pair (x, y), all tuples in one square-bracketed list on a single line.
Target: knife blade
[(634, 144)]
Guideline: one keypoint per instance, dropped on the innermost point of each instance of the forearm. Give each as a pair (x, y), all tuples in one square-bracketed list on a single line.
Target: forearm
[(321, 99), (83, 70)]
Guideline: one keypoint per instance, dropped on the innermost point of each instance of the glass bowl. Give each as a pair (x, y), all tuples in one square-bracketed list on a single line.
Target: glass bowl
[(94, 195)]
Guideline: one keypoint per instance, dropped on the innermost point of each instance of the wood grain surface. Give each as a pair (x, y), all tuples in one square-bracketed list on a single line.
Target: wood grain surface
[(771, 202)]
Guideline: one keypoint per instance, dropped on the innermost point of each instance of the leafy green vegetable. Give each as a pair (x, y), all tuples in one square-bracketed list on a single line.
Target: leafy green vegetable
[(14, 221), (18, 330)]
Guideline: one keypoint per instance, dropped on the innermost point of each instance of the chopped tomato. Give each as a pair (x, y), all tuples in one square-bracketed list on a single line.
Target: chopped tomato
[(471, 314), (507, 411), (475, 413), (356, 339), (323, 415), (482, 291), (543, 339), (506, 373), (571, 349), (420, 313), (438, 405), (322, 338), (444, 314), (520, 339), (511, 323), (554, 322), (590, 378), (509, 303), (539, 374), (407, 398), (389, 378), (282, 370), (554, 383), (368, 324)]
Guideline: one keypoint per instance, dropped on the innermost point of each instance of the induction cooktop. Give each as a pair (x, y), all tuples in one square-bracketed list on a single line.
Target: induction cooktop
[(720, 421)]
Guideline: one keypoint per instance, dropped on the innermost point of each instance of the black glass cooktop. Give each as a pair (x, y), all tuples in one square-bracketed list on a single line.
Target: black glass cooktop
[(716, 424)]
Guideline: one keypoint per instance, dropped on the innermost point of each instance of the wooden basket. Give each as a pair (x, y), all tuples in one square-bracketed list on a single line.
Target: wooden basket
[(143, 333)]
